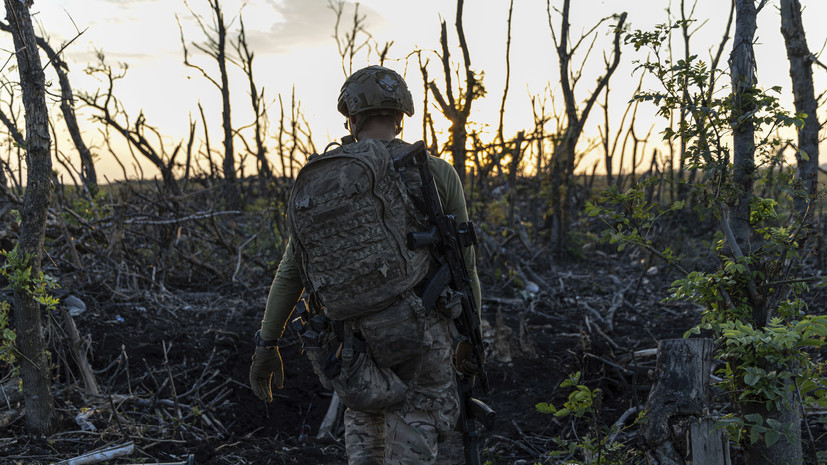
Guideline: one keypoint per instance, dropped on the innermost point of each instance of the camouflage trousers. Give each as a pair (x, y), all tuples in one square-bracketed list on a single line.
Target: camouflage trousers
[(409, 435)]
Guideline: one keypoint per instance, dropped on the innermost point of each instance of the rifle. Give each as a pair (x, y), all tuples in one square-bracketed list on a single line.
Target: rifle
[(447, 238)]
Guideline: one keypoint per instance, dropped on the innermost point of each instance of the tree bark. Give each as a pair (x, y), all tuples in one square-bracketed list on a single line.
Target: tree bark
[(34, 365), (801, 73), (226, 121), (742, 70), (215, 47), (678, 407)]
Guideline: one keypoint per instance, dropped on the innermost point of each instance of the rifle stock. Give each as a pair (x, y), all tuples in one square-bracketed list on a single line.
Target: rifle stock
[(447, 238)]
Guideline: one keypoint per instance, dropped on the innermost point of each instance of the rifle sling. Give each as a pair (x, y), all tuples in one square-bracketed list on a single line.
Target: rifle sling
[(435, 285)]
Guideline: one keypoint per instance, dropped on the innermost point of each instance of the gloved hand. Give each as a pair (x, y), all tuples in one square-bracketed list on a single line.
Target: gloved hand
[(266, 367), (464, 359)]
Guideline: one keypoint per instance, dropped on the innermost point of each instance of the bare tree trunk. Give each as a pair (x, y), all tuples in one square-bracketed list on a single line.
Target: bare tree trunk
[(34, 365), (457, 111), (256, 101), (507, 75), (564, 155), (215, 47), (226, 121), (801, 73), (679, 425), (67, 107), (742, 70), (788, 449)]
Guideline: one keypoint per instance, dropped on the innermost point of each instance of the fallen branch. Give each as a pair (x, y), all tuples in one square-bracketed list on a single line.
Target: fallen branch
[(197, 216), (78, 354), (617, 301), (240, 248), (618, 425), (101, 455)]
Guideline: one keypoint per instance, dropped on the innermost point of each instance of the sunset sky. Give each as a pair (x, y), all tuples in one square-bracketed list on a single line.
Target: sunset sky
[(294, 45)]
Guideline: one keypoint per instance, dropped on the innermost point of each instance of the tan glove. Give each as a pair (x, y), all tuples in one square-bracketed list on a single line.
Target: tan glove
[(464, 359), (266, 367)]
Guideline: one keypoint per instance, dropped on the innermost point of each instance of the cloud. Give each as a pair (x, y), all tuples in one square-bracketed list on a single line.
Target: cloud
[(128, 2), (305, 23)]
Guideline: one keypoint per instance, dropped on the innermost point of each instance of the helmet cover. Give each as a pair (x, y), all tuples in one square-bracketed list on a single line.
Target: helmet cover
[(375, 88)]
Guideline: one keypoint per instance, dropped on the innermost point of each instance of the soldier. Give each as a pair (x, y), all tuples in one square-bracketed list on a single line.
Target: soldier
[(374, 100)]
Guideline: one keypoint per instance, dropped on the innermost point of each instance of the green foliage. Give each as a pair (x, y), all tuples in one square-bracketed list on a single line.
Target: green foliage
[(17, 271), (496, 212), (760, 361), (88, 209), (753, 427), (634, 221), (753, 302), (580, 401), (8, 335), (598, 445)]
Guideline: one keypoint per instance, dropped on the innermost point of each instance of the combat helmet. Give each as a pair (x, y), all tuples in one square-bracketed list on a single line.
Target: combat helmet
[(375, 88)]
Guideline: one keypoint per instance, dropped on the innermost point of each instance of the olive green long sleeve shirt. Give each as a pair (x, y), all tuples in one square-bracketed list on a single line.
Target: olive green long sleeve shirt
[(287, 286)]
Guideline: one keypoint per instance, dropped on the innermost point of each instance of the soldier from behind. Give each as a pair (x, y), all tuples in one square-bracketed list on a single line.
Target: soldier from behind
[(387, 356)]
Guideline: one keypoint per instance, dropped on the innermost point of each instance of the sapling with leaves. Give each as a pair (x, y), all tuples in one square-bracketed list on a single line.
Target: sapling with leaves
[(599, 445), (754, 300)]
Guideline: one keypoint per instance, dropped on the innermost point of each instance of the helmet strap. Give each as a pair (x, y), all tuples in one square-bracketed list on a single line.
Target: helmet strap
[(354, 124), (399, 123)]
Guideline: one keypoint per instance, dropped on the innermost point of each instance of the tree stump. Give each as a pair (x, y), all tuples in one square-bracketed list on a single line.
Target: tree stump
[(680, 430)]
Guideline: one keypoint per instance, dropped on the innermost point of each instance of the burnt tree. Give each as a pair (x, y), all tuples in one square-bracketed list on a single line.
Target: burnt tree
[(457, 110), (563, 157), (256, 102), (744, 82), (34, 364), (112, 114), (67, 107), (215, 47), (801, 74)]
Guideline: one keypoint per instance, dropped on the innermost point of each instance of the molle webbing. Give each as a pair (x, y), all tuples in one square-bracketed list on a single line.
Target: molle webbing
[(350, 213)]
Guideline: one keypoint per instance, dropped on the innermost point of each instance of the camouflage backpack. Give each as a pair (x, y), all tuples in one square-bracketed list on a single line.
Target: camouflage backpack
[(349, 216)]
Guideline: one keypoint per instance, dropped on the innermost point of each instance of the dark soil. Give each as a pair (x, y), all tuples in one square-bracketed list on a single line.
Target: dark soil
[(168, 331), (199, 343)]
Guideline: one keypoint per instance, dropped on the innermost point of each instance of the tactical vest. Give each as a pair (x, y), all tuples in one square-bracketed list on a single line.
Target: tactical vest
[(349, 215)]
